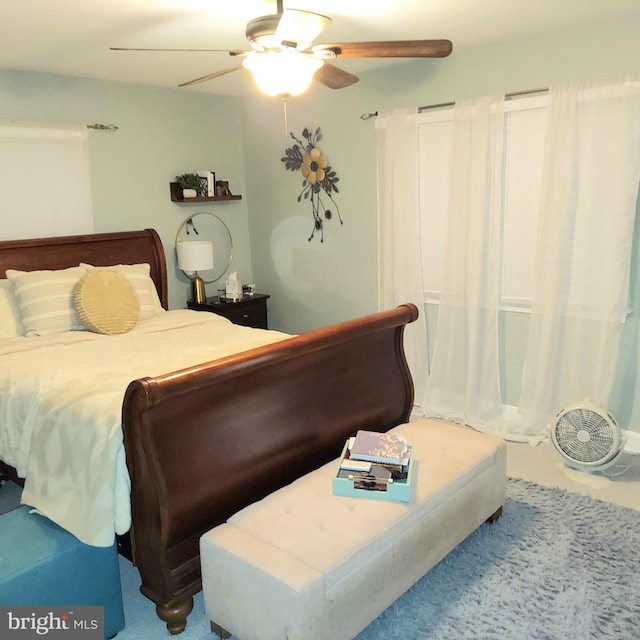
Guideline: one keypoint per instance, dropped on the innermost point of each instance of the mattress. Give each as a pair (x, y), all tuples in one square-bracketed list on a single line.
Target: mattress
[(61, 402)]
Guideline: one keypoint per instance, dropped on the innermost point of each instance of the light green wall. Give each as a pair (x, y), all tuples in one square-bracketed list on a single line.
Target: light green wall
[(345, 284), (168, 131), (162, 133), (322, 282)]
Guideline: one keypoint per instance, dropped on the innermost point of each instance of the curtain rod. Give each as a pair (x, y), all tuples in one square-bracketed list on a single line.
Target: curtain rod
[(103, 127), (442, 105)]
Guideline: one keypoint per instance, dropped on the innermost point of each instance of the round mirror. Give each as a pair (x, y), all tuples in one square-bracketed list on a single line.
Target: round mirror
[(207, 226)]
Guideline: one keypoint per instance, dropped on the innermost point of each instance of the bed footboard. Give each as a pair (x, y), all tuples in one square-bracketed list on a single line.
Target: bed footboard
[(204, 442)]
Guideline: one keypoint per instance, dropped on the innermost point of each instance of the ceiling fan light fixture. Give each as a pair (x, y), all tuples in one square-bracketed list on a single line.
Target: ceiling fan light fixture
[(285, 72), (300, 27), (261, 32)]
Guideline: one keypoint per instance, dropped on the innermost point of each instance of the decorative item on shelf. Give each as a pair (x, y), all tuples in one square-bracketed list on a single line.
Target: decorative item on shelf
[(222, 189), (319, 179), (208, 189), (194, 256), (208, 178), (191, 182)]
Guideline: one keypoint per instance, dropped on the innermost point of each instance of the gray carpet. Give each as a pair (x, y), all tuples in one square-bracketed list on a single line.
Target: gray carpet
[(556, 566)]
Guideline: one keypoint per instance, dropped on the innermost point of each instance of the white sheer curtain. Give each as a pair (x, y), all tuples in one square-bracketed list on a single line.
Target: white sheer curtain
[(592, 164), (464, 384), (399, 250)]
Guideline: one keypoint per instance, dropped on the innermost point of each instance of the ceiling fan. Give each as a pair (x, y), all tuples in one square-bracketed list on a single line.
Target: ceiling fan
[(283, 49)]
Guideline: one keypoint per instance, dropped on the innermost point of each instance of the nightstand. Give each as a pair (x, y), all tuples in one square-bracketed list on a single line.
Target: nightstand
[(250, 311)]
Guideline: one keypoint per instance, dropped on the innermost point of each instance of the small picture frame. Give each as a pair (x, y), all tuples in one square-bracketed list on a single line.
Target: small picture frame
[(222, 188)]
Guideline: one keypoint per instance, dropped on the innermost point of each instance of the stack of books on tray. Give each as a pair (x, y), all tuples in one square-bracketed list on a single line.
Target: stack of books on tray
[(375, 465)]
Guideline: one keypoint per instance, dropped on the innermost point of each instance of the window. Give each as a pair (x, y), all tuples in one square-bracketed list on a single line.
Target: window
[(525, 126), (45, 182)]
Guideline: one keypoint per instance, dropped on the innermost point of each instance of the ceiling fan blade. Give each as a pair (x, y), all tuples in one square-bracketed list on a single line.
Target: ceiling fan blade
[(211, 76), (389, 49), (300, 28), (233, 52), (333, 77)]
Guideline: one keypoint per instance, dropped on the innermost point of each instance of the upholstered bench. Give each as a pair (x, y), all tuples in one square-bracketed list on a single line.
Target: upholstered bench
[(41, 564), (303, 564)]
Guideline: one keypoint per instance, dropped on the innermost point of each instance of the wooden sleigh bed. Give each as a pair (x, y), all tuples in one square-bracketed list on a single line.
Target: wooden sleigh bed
[(203, 442)]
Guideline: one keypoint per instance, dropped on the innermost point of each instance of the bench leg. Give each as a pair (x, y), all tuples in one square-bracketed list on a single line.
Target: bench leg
[(175, 615), (219, 631), (494, 517)]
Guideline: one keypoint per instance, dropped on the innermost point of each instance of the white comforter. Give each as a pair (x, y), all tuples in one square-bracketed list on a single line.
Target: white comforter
[(60, 410)]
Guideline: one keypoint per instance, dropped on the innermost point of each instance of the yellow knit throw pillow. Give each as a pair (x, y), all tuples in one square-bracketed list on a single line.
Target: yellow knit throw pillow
[(106, 302)]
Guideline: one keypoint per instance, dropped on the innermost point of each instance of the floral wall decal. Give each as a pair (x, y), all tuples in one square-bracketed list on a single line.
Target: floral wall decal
[(319, 179)]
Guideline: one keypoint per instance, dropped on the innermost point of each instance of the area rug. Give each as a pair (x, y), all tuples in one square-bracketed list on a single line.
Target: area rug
[(556, 566)]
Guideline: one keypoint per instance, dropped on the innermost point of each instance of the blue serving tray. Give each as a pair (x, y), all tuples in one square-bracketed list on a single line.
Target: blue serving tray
[(397, 490)]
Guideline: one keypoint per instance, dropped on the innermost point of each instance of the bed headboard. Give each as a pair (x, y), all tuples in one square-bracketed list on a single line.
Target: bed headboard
[(100, 249)]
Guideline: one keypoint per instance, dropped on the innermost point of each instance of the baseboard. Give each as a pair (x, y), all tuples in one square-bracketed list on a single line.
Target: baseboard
[(632, 442)]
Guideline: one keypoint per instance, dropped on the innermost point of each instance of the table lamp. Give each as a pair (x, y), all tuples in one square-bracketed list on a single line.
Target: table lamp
[(194, 256)]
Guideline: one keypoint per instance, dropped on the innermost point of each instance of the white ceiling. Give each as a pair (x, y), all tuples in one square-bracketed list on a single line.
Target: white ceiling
[(74, 36)]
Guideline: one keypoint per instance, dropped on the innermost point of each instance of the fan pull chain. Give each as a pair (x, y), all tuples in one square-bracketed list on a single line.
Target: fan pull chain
[(286, 121)]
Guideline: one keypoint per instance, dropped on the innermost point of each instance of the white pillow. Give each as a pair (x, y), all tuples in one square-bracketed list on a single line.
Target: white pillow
[(45, 300), (138, 275), (10, 320)]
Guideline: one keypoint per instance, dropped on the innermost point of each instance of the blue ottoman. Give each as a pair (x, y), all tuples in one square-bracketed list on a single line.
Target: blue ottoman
[(41, 564)]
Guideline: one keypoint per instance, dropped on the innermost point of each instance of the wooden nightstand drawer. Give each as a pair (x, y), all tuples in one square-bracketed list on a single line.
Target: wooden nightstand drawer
[(250, 311), (250, 315)]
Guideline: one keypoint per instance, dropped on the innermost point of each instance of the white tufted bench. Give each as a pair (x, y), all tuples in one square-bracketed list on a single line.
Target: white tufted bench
[(303, 564)]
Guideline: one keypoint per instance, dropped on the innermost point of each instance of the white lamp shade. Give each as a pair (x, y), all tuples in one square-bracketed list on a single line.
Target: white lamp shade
[(282, 72), (195, 255)]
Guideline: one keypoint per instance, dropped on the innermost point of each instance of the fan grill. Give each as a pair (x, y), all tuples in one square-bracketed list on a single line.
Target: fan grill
[(585, 435)]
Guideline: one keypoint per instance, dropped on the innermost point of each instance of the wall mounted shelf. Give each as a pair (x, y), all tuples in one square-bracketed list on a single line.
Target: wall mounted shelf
[(176, 196)]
